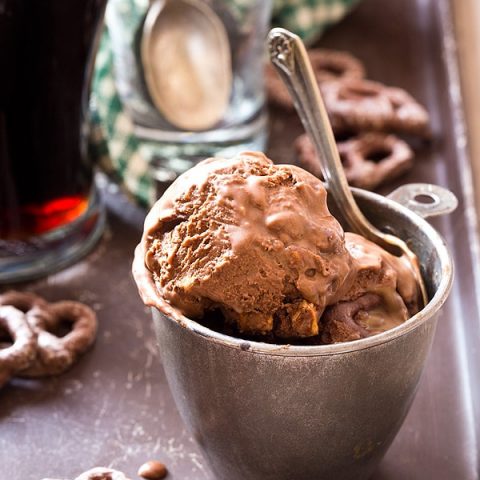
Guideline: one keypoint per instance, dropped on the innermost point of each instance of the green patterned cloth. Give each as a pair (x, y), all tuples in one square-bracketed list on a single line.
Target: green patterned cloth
[(309, 18), (120, 153)]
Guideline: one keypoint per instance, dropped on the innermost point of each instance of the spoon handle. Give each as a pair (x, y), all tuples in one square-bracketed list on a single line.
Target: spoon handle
[(289, 57)]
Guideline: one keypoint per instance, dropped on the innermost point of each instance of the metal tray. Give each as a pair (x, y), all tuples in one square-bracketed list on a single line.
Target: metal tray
[(114, 407)]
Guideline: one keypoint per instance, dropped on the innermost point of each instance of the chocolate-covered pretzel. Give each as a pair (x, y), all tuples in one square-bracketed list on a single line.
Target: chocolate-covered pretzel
[(369, 159), (20, 354), (335, 65), (23, 301), (100, 473), (327, 65), (339, 321), (55, 354), (362, 105)]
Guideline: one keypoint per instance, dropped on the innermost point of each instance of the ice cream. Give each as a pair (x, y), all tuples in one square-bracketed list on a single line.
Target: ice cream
[(382, 295), (257, 242)]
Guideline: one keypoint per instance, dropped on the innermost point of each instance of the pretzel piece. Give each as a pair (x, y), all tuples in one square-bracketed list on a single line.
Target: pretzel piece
[(369, 159), (21, 353), (339, 321), (101, 473), (297, 319), (55, 354), (360, 105), (23, 301)]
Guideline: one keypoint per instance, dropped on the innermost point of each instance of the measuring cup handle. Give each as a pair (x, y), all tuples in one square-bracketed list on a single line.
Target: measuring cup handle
[(425, 199)]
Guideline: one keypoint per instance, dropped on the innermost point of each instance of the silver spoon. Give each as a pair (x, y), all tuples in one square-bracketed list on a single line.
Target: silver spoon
[(187, 63), (290, 58)]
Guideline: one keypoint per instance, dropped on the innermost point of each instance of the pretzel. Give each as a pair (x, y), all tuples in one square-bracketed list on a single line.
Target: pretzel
[(23, 301), (100, 473), (361, 105), (339, 321), (56, 354), (331, 65), (21, 352), (369, 159), (327, 65)]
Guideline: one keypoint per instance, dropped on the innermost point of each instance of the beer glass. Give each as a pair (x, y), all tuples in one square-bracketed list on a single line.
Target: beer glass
[(50, 213)]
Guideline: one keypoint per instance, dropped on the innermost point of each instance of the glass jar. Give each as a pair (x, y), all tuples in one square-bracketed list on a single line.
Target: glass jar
[(242, 125)]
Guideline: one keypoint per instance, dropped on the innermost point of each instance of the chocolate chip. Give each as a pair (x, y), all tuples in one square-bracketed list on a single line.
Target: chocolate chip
[(152, 470)]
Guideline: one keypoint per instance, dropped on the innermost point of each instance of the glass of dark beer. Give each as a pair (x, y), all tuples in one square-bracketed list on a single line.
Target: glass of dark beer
[(50, 213)]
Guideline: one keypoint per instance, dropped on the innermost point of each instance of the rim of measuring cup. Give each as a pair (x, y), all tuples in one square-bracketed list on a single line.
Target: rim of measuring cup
[(433, 306)]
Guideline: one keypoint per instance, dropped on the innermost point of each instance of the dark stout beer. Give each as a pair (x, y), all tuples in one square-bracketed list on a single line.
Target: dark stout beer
[(45, 61)]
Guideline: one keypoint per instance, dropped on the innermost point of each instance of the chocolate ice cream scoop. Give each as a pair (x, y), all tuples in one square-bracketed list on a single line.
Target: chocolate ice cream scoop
[(249, 238), (256, 241), (382, 294)]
